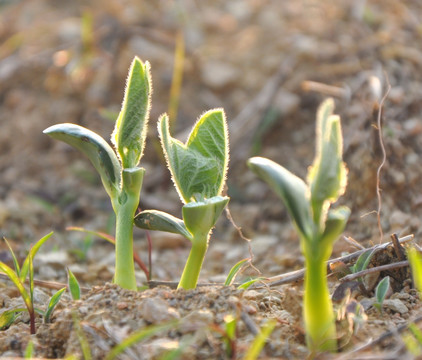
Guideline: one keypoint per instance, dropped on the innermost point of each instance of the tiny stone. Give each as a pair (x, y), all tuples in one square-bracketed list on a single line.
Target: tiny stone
[(156, 310), (396, 305), (122, 305)]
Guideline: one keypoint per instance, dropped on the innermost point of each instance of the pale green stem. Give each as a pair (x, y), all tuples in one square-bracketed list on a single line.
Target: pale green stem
[(193, 265), (125, 212), (318, 310)]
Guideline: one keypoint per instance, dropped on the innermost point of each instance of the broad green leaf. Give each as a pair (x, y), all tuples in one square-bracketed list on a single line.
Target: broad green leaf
[(327, 177), (161, 221), (98, 151), (415, 260), (381, 290), (292, 190), (74, 288), (200, 217), (33, 251), (131, 125), (18, 283), (54, 300), (234, 271), (200, 165)]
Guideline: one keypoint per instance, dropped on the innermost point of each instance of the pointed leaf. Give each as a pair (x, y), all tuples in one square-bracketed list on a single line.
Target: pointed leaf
[(161, 221), (382, 289), (54, 300), (200, 165), (292, 190), (363, 260), (33, 251), (15, 260), (98, 151), (74, 288), (131, 125), (415, 260), (19, 285), (234, 271), (328, 175)]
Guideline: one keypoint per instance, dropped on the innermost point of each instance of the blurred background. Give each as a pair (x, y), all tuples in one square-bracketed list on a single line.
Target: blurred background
[(268, 63)]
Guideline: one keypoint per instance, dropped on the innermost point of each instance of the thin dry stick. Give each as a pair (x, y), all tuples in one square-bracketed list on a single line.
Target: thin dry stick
[(297, 275), (384, 158), (396, 265), (45, 284)]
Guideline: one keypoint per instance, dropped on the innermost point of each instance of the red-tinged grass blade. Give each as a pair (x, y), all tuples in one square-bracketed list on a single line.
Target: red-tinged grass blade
[(31, 293), (234, 271), (139, 336), (111, 240), (259, 341), (15, 260), (34, 250)]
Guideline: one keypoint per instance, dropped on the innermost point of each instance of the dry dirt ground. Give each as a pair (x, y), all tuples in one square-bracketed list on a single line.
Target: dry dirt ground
[(269, 64)]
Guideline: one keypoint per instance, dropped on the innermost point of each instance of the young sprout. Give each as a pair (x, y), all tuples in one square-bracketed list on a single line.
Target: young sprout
[(18, 276), (198, 169), (119, 171), (381, 292), (318, 226)]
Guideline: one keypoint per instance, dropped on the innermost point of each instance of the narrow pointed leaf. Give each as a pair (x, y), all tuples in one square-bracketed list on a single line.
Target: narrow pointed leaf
[(161, 221), (131, 125), (415, 260), (17, 282), (98, 151), (54, 300), (234, 271), (15, 260), (74, 288), (292, 190), (382, 289), (33, 251), (363, 260), (200, 165)]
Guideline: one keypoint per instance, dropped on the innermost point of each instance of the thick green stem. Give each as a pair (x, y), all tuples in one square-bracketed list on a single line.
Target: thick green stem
[(193, 265), (318, 310), (125, 212)]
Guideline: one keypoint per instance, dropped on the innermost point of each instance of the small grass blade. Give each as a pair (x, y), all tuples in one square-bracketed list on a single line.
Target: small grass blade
[(139, 336), (54, 300), (34, 250), (234, 271), (363, 261), (83, 342), (15, 260), (260, 339), (415, 260), (250, 282), (8, 317), (74, 288)]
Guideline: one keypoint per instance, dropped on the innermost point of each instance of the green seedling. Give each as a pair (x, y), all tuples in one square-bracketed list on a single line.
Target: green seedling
[(54, 300), (198, 169), (415, 259), (29, 350), (119, 171), (319, 226), (234, 271), (73, 284), (19, 274), (260, 340), (381, 292)]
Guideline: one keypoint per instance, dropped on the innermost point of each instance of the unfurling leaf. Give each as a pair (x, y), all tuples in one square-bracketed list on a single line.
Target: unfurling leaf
[(200, 165), (74, 288), (98, 151), (161, 221), (131, 125), (292, 190)]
